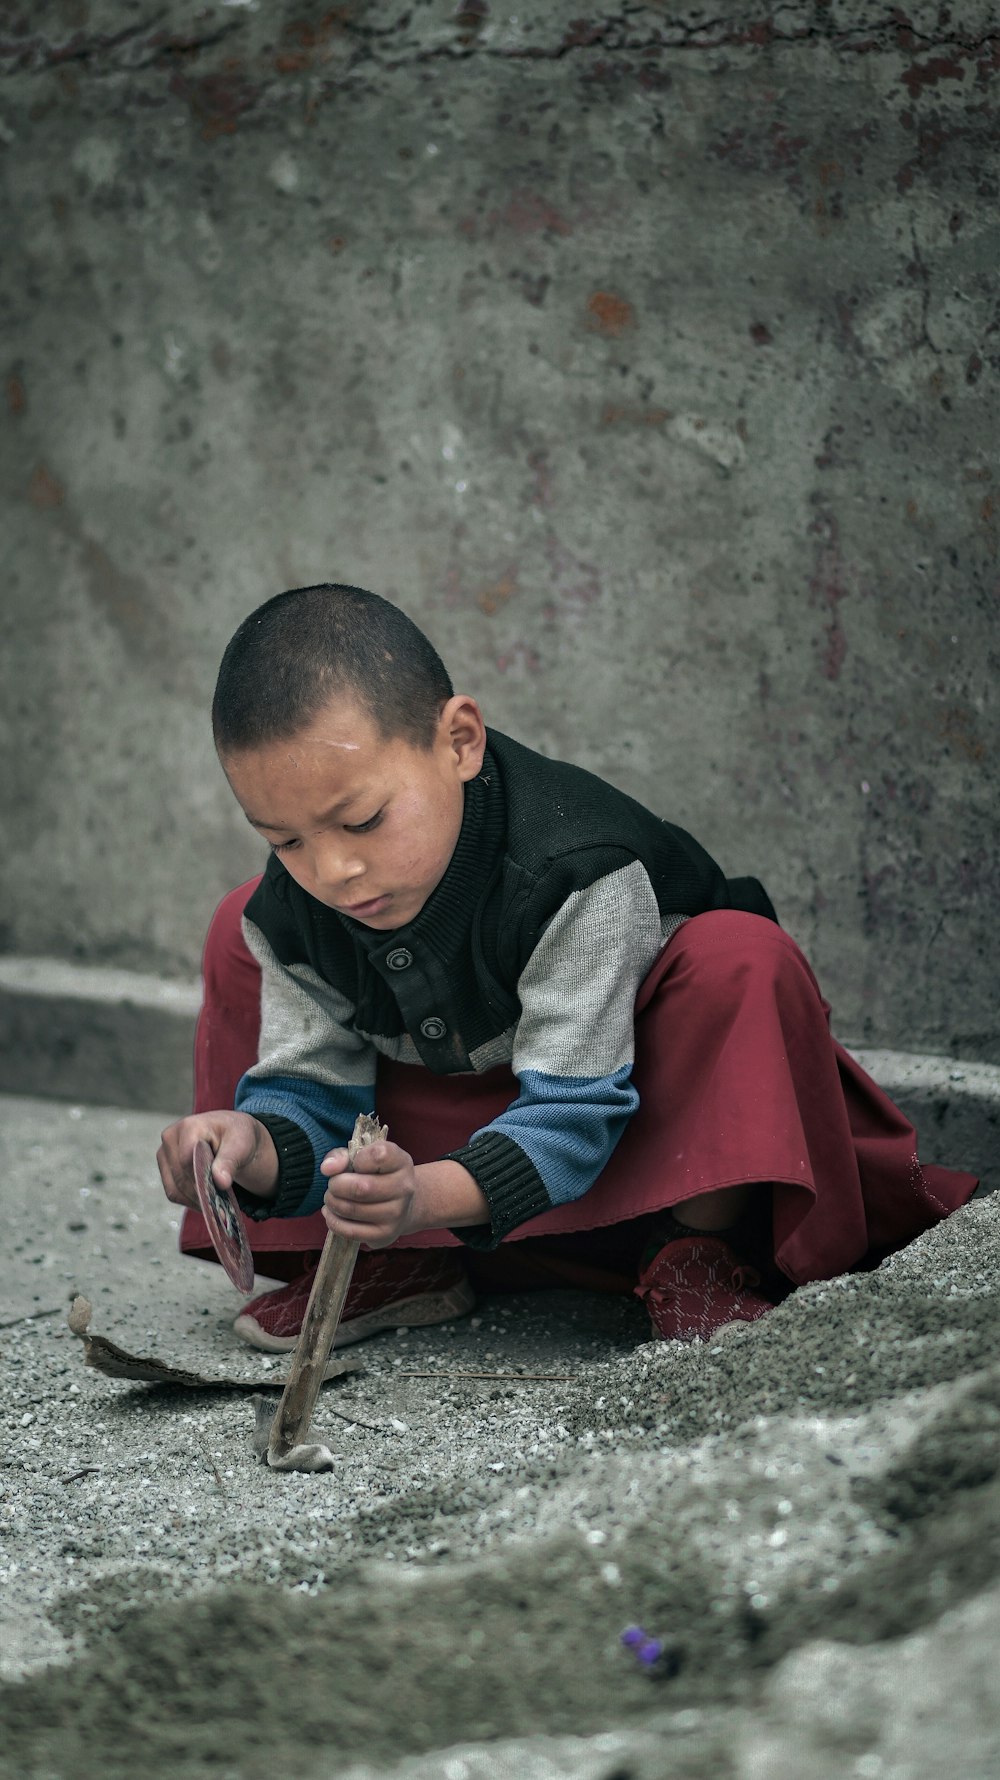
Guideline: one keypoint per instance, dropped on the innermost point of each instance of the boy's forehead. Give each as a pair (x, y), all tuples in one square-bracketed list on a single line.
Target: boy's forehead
[(338, 760)]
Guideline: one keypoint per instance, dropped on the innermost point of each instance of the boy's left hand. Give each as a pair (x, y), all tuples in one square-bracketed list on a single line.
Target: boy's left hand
[(376, 1205)]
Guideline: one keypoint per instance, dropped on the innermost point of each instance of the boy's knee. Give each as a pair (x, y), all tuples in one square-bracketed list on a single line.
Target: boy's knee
[(725, 941)]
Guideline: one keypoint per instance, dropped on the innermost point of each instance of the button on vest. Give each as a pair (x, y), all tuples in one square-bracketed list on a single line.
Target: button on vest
[(433, 1028), (400, 959)]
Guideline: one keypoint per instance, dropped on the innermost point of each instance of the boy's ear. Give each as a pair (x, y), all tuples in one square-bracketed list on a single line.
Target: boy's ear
[(461, 723)]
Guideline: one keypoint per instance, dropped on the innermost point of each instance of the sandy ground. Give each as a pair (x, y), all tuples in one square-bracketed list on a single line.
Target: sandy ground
[(806, 1512)]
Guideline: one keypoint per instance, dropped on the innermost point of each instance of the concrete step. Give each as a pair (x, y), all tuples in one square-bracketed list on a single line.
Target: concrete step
[(90, 1034)]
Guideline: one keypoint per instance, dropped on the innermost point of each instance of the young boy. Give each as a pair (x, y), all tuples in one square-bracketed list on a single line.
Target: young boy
[(599, 1060)]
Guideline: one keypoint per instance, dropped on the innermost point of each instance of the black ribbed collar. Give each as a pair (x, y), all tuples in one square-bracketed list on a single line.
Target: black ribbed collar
[(443, 922)]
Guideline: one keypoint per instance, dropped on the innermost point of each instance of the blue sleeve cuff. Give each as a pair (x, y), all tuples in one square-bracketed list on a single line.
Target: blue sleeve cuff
[(567, 1126), (548, 1148)]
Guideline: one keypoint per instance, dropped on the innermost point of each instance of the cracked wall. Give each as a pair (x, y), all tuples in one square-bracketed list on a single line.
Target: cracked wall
[(649, 358)]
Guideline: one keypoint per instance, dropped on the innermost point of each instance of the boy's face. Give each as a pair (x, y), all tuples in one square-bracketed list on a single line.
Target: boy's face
[(365, 824)]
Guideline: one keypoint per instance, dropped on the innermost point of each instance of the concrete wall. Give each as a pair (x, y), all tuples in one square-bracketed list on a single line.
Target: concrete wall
[(648, 359)]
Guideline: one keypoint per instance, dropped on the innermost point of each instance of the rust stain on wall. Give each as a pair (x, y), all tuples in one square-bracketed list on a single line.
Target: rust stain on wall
[(125, 598), (955, 727), (470, 18), (630, 414), (43, 489), (493, 599), (528, 213), (577, 581), (935, 133), (609, 314), (521, 655), (772, 150), (219, 100), (927, 74), (308, 45)]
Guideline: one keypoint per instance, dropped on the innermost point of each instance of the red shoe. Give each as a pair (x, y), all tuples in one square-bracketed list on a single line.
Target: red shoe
[(391, 1289), (696, 1285)]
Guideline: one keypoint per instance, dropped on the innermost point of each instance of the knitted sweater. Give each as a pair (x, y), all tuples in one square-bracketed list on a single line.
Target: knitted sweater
[(558, 897)]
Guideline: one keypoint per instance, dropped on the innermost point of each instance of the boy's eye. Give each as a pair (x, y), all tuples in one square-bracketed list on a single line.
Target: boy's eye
[(364, 827), (282, 846)]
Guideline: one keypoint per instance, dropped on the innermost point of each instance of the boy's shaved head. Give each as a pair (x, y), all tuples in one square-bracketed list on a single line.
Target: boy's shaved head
[(300, 649)]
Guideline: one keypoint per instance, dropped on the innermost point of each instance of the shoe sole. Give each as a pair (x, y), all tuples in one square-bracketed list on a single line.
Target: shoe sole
[(407, 1313)]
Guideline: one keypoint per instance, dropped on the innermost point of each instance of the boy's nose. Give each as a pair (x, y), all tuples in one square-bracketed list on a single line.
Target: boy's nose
[(336, 865)]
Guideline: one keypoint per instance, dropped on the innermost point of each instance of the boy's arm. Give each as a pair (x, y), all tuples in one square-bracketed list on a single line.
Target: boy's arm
[(449, 1197), (573, 1053)]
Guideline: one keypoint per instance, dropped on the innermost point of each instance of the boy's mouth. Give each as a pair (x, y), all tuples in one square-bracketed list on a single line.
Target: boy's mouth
[(362, 911)]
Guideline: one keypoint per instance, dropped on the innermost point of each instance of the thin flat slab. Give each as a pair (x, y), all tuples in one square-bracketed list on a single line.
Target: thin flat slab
[(223, 1220), (116, 1362)]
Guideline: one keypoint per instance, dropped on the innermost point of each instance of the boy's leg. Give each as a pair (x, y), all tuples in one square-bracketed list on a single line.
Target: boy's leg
[(761, 1155), (782, 1161)]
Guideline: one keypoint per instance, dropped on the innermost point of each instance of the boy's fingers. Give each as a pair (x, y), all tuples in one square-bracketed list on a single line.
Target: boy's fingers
[(175, 1158), (364, 1189), (372, 1235), (228, 1160), (353, 1209), (346, 1226), (178, 1186)]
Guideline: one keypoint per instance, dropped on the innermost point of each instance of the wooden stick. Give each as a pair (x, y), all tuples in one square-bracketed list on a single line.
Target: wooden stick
[(319, 1325)]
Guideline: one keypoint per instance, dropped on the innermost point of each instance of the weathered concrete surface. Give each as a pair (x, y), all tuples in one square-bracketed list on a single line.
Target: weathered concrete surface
[(648, 358)]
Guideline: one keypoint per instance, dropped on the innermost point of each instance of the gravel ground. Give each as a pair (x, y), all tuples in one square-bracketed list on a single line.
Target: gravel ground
[(806, 1512)]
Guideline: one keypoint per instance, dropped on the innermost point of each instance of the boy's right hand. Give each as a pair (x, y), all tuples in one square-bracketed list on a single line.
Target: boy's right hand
[(244, 1152)]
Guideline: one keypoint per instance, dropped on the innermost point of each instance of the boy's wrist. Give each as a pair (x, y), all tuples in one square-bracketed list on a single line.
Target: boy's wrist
[(447, 1196)]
